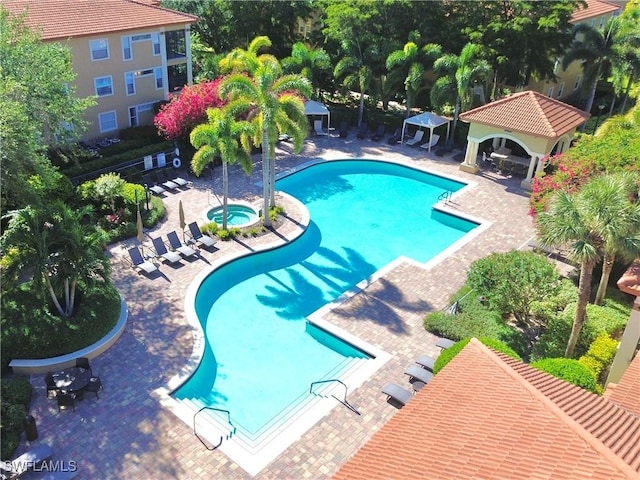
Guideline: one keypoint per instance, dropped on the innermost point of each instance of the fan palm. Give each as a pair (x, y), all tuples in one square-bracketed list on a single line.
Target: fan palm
[(226, 137)]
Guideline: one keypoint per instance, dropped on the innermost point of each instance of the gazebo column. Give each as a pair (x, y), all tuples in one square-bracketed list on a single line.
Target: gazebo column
[(469, 164), (535, 165)]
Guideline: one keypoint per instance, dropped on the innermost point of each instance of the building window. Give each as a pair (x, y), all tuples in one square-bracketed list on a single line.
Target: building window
[(99, 49), (108, 121), (144, 73), (141, 38), (576, 85), (158, 73), (130, 83), (133, 116), (126, 49), (177, 77), (156, 43), (176, 44), (560, 90), (550, 92), (104, 86)]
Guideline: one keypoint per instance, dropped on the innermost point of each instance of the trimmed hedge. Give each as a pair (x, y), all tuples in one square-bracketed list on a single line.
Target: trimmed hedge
[(569, 370), (600, 355), (447, 354)]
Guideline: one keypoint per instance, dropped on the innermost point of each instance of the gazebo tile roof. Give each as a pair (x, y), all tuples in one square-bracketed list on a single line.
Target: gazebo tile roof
[(489, 416), (62, 19), (627, 392), (528, 112), (594, 8)]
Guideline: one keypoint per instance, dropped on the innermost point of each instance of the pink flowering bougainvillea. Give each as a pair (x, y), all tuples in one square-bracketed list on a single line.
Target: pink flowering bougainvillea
[(187, 109)]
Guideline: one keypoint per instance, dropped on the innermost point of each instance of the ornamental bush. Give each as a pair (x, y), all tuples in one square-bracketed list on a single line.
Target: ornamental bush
[(599, 356), (569, 370), (16, 396), (448, 353)]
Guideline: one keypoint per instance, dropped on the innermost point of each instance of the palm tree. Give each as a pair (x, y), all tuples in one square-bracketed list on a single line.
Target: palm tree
[(58, 248), (222, 135), (274, 103), (595, 50), (408, 66), (578, 221), (355, 70), (626, 61), (457, 77), (308, 62)]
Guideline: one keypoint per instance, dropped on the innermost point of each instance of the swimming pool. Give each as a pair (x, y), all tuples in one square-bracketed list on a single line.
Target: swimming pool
[(261, 354)]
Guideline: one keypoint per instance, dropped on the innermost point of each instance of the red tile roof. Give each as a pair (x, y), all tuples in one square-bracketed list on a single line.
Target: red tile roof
[(61, 19), (630, 280), (627, 392), (594, 8), (528, 112), (488, 416)]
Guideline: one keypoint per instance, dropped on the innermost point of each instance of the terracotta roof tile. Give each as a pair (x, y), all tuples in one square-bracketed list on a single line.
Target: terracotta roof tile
[(528, 112), (61, 19), (627, 392), (594, 8), (488, 416)]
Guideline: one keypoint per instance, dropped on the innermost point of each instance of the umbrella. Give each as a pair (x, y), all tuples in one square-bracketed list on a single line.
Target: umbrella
[(140, 231), (181, 215)]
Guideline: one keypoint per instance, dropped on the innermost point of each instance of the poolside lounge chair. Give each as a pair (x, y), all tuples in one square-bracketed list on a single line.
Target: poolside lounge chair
[(444, 343), (161, 251), (417, 138), (178, 246), (395, 138), (164, 181), (397, 394), (172, 175), (434, 139), (198, 237), (379, 133), (426, 361), (317, 127), (28, 460), (139, 262), (343, 129), (418, 373), (362, 130), (152, 185)]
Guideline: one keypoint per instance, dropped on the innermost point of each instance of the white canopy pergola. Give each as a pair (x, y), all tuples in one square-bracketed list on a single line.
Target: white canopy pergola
[(311, 107), (426, 120)]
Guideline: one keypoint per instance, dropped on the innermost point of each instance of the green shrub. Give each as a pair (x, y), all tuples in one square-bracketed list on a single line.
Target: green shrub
[(569, 370), (552, 343), (16, 396), (512, 281), (547, 308), (600, 355), (611, 318), (448, 353)]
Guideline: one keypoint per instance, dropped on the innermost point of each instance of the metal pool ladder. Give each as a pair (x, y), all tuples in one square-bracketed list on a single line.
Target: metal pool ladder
[(232, 430), (343, 401), (446, 196)]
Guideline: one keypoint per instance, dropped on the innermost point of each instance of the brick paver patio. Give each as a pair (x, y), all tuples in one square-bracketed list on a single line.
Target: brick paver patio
[(127, 434)]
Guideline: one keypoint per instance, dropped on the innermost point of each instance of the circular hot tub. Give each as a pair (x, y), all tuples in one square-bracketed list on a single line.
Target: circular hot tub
[(238, 215)]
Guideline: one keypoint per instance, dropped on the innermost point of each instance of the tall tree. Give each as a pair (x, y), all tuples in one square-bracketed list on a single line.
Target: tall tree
[(311, 63), (409, 64), (38, 109), (58, 248), (273, 102), (458, 76), (577, 221), (626, 63), (226, 137)]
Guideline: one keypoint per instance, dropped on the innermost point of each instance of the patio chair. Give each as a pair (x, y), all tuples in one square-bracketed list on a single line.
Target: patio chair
[(362, 130), (94, 386), (66, 400), (417, 138), (161, 251), (83, 362), (150, 184), (138, 261), (178, 246), (343, 129), (28, 460), (426, 361), (379, 133), (396, 394), (164, 181), (317, 127), (51, 384), (416, 372), (172, 175), (198, 237), (432, 143), (395, 138)]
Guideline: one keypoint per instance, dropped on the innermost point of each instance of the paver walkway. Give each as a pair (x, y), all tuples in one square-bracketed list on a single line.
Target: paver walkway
[(126, 434)]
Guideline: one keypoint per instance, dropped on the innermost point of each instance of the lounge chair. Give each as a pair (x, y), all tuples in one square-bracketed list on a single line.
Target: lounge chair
[(28, 460), (343, 129), (379, 133), (152, 185), (444, 343), (417, 372), (139, 262), (200, 238), (362, 130), (164, 181), (172, 175), (317, 127), (161, 251), (429, 145), (397, 394), (417, 138), (395, 138), (426, 361), (178, 246)]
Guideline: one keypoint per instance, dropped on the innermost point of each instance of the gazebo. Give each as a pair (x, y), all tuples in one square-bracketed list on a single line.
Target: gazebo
[(532, 120), (311, 107), (425, 120)]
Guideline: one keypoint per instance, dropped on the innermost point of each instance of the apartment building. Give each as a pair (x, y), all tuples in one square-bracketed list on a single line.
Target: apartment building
[(127, 54)]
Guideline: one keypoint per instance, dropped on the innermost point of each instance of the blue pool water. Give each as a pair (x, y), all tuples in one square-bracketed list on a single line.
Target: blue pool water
[(237, 215), (261, 354)]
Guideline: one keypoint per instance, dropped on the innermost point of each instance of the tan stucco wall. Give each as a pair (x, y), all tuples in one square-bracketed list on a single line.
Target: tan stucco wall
[(530, 143)]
